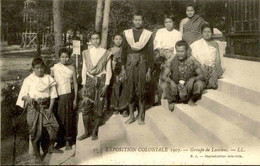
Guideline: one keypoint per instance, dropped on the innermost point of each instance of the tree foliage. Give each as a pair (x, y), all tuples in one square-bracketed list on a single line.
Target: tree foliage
[(12, 115), (79, 15), (12, 14)]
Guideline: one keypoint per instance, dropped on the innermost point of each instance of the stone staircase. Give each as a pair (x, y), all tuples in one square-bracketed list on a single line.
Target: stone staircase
[(226, 119)]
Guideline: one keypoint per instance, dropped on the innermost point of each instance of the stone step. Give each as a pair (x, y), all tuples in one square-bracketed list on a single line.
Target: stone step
[(242, 72), (235, 89), (112, 135), (62, 159), (172, 130), (241, 113), (140, 135), (117, 135), (85, 150), (162, 126), (217, 129)]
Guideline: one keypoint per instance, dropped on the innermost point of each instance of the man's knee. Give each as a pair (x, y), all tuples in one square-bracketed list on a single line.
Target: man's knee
[(174, 86), (199, 86), (199, 83)]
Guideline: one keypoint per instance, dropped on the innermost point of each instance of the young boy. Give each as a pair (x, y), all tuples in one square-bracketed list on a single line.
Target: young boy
[(37, 95), (182, 78), (96, 75), (137, 61)]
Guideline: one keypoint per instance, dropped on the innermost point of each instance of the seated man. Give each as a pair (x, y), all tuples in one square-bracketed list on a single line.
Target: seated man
[(182, 79)]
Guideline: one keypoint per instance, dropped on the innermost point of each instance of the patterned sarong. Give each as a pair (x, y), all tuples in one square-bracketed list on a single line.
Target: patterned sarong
[(92, 101), (38, 119)]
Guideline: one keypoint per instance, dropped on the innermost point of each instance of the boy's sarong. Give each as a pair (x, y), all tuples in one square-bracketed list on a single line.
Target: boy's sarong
[(94, 103), (38, 119)]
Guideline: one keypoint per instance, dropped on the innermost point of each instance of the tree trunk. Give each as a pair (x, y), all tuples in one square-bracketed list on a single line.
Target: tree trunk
[(38, 30), (105, 24), (99, 13), (64, 38), (57, 8)]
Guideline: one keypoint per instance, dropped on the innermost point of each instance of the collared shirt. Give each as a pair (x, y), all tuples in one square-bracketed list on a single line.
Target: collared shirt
[(95, 54)]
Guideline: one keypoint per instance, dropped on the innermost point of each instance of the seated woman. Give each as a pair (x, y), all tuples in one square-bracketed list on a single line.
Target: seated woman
[(206, 51), (164, 46), (191, 25), (166, 38)]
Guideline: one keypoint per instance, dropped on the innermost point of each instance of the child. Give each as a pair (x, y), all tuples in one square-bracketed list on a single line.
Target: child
[(37, 95), (182, 78), (64, 74), (96, 75), (116, 80)]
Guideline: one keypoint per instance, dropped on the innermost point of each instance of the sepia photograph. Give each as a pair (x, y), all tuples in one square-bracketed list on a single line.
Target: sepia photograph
[(130, 82)]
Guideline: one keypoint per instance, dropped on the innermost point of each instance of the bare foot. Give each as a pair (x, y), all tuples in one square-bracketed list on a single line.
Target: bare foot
[(94, 137), (116, 112), (141, 122), (130, 120), (191, 102), (53, 150), (82, 137), (171, 107), (68, 146), (125, 114)]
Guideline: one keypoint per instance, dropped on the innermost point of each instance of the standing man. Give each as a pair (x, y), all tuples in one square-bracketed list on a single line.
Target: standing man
[(96, 75), (137, 61)]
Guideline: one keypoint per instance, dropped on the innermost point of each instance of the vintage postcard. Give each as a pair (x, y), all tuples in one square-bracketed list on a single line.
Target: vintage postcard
[(130, 82)]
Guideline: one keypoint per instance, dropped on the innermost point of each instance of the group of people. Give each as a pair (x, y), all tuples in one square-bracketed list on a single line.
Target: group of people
[(177, 65)]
